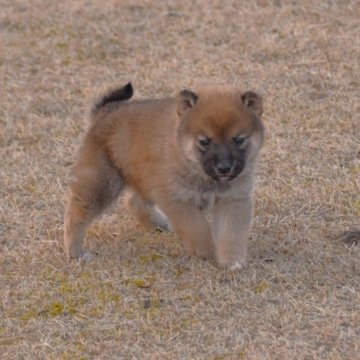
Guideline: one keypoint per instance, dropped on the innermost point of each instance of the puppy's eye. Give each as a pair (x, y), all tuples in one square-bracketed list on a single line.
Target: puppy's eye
[(204, 141), (239, 140)]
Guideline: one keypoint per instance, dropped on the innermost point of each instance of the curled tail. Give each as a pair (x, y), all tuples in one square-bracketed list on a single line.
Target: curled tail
[(121, 94)]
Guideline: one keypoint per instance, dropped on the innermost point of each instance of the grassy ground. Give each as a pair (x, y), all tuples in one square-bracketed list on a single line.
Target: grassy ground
[(142, 297)]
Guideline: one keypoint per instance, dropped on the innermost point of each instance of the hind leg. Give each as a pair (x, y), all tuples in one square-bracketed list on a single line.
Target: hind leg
[(146, 213), (97, 183)]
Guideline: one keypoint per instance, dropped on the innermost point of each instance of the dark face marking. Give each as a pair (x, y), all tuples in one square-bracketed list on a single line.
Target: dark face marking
[(223, 160)]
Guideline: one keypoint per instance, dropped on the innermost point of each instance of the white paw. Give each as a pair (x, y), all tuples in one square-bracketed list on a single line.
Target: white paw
[(234, 265), (160, 220), (86, 256), (237, 265)]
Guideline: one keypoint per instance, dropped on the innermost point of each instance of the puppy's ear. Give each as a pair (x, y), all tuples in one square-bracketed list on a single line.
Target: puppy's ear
[(186, 100), (253, 101)]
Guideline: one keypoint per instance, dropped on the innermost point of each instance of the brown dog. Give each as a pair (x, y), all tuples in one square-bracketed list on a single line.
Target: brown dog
[(178, 157)]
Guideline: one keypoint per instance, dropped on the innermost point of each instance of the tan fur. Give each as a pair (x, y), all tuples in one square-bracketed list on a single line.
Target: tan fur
[(143, 146)]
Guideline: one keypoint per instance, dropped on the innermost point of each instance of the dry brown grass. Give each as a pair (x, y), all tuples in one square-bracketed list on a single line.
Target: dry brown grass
[(141, 297)]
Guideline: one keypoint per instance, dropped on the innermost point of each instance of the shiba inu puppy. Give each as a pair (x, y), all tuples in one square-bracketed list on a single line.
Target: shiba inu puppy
[(177, 158)]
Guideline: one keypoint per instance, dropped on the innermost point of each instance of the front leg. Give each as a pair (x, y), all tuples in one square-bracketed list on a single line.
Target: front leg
[(190, 224), (231, 227)]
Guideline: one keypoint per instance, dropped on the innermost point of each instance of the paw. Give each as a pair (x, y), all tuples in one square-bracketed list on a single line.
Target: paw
[(162, 227), (205, 252), (80, 254), (160, 221), (204, 255), (236, 265), (86, 256)]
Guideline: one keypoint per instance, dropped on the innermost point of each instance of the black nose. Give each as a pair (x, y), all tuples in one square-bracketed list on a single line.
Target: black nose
[(223, 168)]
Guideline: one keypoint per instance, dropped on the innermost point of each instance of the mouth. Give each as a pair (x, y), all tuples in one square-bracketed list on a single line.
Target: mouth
[(223, 178)]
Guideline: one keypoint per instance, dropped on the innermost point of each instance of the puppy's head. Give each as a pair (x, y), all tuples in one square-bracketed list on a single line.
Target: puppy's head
[(220, 129)]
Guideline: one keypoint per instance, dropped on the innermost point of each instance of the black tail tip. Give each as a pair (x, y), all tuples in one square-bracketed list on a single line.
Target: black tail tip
[(128, 91), (121, 94)]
